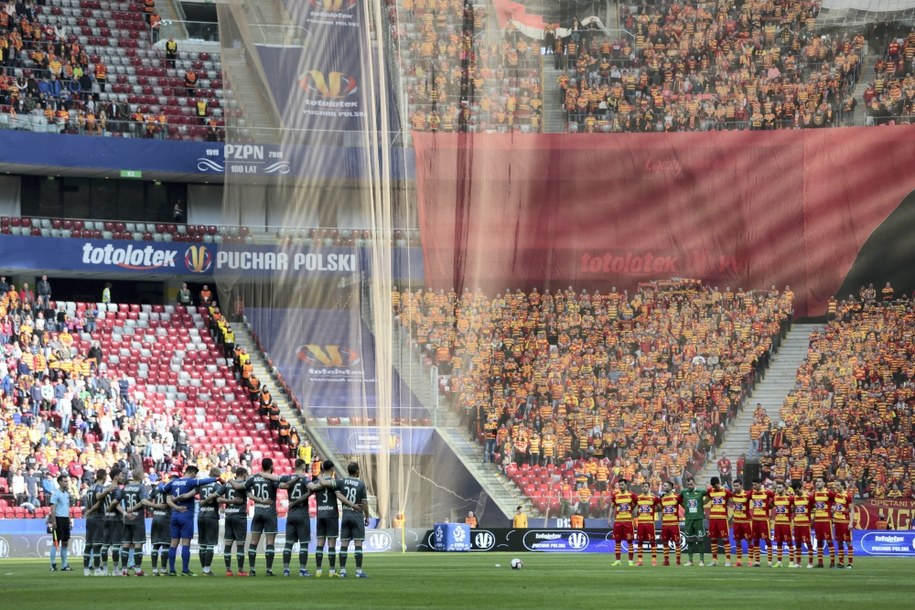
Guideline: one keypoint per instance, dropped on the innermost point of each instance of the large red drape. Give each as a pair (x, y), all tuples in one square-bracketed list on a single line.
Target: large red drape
[(744, 209)]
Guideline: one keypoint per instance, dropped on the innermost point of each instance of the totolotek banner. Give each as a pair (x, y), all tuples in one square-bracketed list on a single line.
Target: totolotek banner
[(27, 253)]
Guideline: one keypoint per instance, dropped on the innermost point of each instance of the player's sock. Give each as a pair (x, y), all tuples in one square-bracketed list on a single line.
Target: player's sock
[(269, 553), (727, 550), (319, 558), (252, 555), (769, 552), (227, 556), (332, 559), (185, 557), (654, 553), (97, 556), (358, 558), (851, 554), (666, 554), (714, 552), (202, 556), (137, 558), (343, 556), (125, 553), (631, 553), (115, 557), (87, 557), (53, 555), (617, 552), (303, 556), (820, 554), (64, 551), (678, 553), (287, 554), (240, 559)]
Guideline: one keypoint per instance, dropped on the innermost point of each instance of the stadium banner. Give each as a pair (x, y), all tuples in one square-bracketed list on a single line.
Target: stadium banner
[(815, 209), (327, 356), (557, 540), (898, 514), (196, 158), (361, 440), (202, 260), (28, 538), (318, 84)]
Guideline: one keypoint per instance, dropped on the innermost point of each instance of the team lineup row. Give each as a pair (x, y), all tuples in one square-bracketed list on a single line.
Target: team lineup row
[(751, 514), (115, 523)]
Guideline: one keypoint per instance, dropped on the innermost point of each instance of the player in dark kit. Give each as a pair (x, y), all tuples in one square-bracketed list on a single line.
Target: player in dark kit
[(114, 525), (159, 532), (236, 525), (298, 521), (111, 522), (95, 523), (262, 489), (352, 525), (208, 522), (328, 522), (130, 505)]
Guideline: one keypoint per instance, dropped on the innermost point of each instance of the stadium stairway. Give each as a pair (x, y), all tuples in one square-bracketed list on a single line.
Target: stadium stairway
[(865, 78), (416, 374), (267, 376), (554, 115), (770, 393)]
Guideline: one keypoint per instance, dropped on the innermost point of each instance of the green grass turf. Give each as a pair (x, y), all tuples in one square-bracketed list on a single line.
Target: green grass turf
[(465, 580)]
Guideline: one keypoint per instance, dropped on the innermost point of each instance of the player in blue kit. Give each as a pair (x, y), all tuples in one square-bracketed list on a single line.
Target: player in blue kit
[(180, 494)]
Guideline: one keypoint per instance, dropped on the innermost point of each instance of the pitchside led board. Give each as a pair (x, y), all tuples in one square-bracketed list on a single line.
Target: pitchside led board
[(28, 538)]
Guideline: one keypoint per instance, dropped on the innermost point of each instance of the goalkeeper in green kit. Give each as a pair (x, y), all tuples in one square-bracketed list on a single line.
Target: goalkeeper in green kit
[(693, 502)]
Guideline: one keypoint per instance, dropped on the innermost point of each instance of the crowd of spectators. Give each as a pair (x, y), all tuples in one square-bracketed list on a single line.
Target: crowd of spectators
[(462, 73), (849, 416), (891, 96), (729, 64), (46, 71), (62, 409), (595, 384)]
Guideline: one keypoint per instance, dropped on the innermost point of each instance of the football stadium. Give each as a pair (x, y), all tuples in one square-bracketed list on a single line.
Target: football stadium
[(553, 301)]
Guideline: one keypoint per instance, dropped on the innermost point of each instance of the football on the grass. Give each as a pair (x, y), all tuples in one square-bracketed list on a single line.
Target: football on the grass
[(517, 564)]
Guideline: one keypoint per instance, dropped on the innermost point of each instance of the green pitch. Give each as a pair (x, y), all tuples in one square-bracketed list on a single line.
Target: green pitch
[(465, 580)]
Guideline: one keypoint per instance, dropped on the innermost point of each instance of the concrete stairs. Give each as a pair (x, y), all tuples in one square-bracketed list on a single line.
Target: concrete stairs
[(267, 376), (243, 90), (865, 78), (420, 377), (555, 117), (770, 393)]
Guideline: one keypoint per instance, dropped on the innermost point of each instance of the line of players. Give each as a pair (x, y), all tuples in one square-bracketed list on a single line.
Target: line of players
[(828, 512), (115, 525)]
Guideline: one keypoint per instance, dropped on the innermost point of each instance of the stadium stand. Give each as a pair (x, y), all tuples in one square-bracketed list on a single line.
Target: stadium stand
[(849, 416), (570, 390), (461, 73), (193, 233), (90, 67), (701, 67), (152, 386), (890, 98)]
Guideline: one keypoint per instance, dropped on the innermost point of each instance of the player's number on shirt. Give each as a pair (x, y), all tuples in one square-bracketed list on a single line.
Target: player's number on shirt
[(351, 495), (296, 493), (260, 490)]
